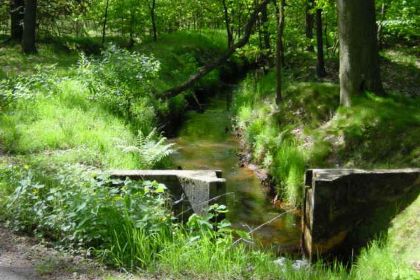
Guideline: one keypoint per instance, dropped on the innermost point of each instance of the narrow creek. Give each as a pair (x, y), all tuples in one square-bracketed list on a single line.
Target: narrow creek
[(205, 141)]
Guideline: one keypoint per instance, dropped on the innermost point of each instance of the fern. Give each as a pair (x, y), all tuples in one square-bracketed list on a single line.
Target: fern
[(151, 148)]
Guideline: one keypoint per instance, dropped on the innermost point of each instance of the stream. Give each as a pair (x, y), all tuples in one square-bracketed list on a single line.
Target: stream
[(205, 141)]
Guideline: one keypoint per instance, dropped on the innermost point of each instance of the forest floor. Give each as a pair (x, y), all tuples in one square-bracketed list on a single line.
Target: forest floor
[(23, 257)]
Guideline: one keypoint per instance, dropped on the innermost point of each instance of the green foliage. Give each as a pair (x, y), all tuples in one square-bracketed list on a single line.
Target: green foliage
[(364, 134), (75, 209), (151, 149), (379, 262), (401, 20), (121, 82), (288, 168)]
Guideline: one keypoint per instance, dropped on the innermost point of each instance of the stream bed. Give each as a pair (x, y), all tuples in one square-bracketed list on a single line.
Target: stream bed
[(205, 141)]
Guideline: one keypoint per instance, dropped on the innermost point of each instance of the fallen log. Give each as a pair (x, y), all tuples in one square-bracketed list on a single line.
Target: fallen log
[(204, 70)]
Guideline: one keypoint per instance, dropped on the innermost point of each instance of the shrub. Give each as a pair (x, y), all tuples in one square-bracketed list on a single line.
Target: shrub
[(121, 81), (78, 210)]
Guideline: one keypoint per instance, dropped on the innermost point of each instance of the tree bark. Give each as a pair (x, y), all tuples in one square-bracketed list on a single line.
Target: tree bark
[(203, 71), (153, 18), (359, 60), (279, 49), (320, 66), (105, 21), (228, 24), (266, 33), (380, 26), (16, 19), (29, 27), (310, 23), (131, 41)]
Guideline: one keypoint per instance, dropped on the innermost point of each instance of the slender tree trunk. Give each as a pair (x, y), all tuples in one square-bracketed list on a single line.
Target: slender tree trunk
[(105, 21), (227, 23), (380, 26), (266, 33), (16, 19), (320, 66), (359, 60), (203, 71), (327, 42), (310, 23), (279, 49), (131, 42), (29, 27), (153, 18)]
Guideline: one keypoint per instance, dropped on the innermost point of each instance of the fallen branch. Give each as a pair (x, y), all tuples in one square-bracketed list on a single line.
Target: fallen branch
[(203, 71)]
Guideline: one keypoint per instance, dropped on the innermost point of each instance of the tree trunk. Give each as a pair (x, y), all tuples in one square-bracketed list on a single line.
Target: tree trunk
[(105, 21), (29, 27), (310, 24), (228, 25), (266, 33), (16, 19), (131, 42), (359, 61), (153, 18), (203, 71), (320, 66), (380, 26), (279, 49)]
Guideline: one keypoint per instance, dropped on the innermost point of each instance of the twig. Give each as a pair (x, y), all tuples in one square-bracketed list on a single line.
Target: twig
[(262, 225)]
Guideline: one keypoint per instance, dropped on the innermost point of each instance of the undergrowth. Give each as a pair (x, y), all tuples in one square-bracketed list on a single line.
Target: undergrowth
[(307, 130)]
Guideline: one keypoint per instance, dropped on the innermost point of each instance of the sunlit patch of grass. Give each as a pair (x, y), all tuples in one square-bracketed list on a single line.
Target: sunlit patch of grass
[(67, 127), (13, 62), (404, 233), (377, 261), (369, 130)]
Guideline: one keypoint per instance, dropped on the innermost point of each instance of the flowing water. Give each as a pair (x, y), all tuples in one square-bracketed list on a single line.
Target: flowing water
[(205, 142)]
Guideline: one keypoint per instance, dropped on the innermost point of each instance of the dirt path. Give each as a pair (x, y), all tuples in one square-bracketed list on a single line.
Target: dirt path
[(21, 258)]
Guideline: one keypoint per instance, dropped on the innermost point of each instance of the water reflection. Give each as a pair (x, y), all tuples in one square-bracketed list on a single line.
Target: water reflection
[(204, 142)]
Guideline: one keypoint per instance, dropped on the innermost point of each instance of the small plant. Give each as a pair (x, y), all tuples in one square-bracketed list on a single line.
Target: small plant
[(151, 148)]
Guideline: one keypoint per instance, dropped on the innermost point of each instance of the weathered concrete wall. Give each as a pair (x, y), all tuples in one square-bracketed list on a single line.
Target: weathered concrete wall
[(192, 189), (345, 208)]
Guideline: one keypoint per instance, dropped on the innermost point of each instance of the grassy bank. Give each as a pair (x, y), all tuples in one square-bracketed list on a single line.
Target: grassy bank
[(310, 130)]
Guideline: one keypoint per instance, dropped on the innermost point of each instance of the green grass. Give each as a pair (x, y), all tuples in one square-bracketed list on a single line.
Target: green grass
[(182, 53), (309, 130), (13, 63), (62, 126), (67, 128), (365, 134)]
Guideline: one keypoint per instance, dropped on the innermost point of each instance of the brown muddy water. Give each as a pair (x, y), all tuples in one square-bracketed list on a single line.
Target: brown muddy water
[(205, 141)]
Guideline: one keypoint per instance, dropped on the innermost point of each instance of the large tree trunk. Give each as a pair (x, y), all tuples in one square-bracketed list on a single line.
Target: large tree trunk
[(310, 23), (228, 25), (105, 21), (359, 61), (29, 27), (153, 18), (320, 65), (16, 19), (279, 49), (203, 71)]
